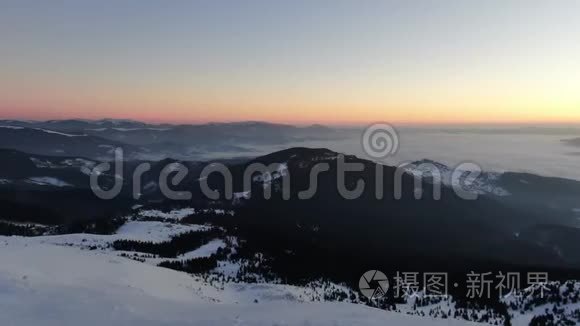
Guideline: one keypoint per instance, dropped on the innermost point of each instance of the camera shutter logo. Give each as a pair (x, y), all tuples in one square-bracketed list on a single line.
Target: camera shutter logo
[(373, 284)]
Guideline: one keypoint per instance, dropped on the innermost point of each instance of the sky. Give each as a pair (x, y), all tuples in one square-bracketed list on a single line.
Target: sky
[(332, 62)]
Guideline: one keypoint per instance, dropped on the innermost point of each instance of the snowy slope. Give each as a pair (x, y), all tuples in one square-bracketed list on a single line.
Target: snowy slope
[(151, 231), (87, 273), (45, 284), (435, 172)]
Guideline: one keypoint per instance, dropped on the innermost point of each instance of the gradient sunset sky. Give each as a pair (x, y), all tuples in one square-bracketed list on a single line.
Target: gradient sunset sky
[(294, 61)]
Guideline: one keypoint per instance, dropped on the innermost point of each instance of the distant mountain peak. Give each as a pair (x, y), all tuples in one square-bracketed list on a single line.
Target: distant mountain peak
[(294, 153)]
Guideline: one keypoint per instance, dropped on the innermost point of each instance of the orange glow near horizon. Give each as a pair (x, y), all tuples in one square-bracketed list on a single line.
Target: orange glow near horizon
[(517, 99), (409, 63), (327, 116)]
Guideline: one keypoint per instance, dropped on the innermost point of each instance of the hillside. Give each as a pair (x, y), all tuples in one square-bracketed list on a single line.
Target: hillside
[(44, 284)]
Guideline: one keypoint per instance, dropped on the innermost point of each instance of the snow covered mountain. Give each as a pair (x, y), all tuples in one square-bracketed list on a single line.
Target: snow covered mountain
[(57, 280), (245, 251), (68, 279), (435, 172)]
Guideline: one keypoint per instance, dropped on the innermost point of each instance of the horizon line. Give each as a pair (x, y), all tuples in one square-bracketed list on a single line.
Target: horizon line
[(173, 122)]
